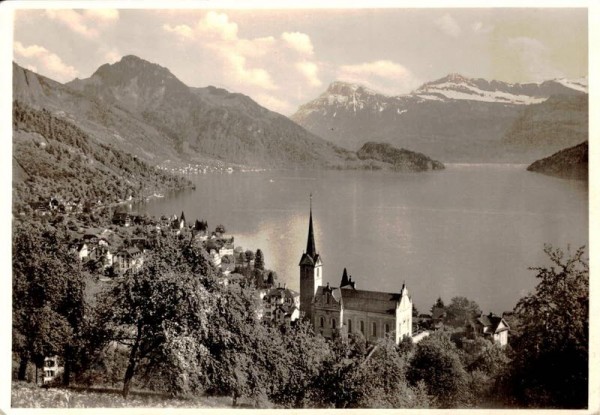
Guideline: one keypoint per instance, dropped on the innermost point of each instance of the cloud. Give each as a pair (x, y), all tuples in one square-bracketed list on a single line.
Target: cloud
[(86, 23), (38, 56), (259, 67), (112, 55), (383, 75), (238, 68), (103, 15), (218, 24), (182, 31), (298, 41), (533, 57), (309, 70), (448, 25)]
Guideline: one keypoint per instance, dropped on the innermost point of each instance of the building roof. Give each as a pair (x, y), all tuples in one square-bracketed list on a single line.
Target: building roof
[(129, 251), (309, 260), (310, 257), (335, 292), (282, 292), (370, 301), (493, 322)]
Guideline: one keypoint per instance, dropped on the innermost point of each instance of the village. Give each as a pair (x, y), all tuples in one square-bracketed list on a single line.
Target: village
[(113, 251)]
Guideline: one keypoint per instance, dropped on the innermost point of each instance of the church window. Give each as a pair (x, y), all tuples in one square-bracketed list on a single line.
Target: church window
[(349, 326), (374, 329), (362, 327), (322, 321), (387, 328), (333, 323)]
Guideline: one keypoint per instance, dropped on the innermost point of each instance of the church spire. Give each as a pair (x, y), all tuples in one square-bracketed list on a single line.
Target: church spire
[(311, 248)]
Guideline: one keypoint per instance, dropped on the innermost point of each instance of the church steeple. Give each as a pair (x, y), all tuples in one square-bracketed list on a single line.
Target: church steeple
[(311, 248), (311, 271)]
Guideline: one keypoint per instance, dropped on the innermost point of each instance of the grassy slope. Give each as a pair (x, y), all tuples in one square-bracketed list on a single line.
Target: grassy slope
[(27, 395)]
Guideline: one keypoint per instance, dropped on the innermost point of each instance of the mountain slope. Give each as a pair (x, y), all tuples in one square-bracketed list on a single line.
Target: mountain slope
[(105, 123), (541, 129), (53, 157), (452, 119), (207, 121), (570, 163)]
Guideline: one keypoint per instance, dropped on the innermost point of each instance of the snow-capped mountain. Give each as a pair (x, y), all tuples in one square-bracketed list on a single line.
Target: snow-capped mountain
[(455, 86), (452, 118)]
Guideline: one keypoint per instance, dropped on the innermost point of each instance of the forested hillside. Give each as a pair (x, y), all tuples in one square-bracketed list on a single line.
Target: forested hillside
[(570, 163), (53, 158)]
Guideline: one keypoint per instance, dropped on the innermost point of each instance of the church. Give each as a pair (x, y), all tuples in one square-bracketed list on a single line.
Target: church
[(346, 309)]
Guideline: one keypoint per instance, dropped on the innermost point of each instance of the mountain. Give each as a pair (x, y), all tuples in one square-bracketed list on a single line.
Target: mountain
[(570, 163), (142, 108), (400, 159), (453, 119), (105, 123), (207, 121), (542, 129)]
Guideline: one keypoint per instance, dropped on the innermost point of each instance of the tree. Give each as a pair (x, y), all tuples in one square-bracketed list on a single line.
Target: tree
[(48, 296), (236, 345), (297, 358), (159, 314), (147, 312), (437, 364), (359, 377), (249, 256), (439, 304), (271, 277), (220, 229), (461, 310), (259, 261), (550, 366)]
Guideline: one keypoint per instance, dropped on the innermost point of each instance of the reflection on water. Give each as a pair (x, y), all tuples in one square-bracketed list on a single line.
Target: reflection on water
[(468, 230)]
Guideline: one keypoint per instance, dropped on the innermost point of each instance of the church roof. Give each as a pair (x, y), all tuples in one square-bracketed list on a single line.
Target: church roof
[(311, 247), (370, 301), (335, 292), (308, 260)]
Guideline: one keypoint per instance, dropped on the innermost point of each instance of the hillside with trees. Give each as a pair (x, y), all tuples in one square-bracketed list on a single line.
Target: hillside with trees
[(53, 158), (570, 163)]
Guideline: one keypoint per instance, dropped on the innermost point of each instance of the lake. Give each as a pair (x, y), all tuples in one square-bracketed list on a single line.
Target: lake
[(469, 230)]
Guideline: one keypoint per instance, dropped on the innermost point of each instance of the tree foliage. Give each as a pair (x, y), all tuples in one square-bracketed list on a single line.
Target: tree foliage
[(551, 352), (437, 364), (48, 295), (461, 310)]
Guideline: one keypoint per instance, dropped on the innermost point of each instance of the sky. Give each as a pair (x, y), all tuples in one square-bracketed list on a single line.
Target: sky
[(284, 58)]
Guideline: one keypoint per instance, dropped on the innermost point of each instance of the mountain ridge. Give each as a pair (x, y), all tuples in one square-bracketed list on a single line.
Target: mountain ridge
[(145, 108), (453, 119)]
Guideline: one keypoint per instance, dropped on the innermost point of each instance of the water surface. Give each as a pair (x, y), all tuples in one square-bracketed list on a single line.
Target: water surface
[(470, 230)]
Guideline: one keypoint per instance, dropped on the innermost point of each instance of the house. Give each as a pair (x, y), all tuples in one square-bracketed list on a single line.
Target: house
[(281, 304), (51, 369), (346, 309), (178, 223), (226, 250), (492, 326), (214, 257), (121, 219), (83, 251), (128, 258)]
